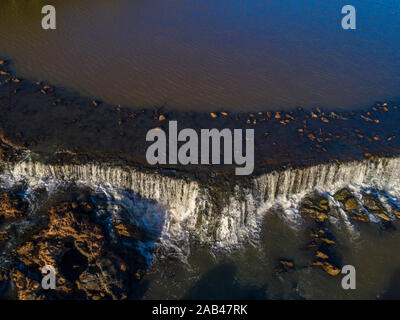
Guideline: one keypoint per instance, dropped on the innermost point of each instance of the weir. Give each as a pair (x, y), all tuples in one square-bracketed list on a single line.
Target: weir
[(191, 213)]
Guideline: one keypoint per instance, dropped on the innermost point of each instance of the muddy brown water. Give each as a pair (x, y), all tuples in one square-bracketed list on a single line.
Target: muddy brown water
[(234, 55), (248, 273)]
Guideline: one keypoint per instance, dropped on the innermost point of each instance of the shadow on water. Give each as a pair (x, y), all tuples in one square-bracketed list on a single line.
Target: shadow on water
[(393, 292), (221, 283)]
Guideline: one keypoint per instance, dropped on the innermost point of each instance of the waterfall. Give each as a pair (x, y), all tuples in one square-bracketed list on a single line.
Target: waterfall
[(188, 206)]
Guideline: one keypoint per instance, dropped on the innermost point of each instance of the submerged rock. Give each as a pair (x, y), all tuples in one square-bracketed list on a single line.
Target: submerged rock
[(284, 266), (287, 263), (325, 252), (321, 255), (328, 267)]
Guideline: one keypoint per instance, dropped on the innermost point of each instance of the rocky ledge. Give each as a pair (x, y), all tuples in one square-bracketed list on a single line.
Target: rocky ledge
[(91, 261)]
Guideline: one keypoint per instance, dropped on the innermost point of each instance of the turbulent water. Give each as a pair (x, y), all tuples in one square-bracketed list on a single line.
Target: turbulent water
[(187, 208)]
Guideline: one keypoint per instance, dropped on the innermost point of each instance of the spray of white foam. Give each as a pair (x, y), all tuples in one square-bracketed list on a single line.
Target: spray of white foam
[(179, 210)]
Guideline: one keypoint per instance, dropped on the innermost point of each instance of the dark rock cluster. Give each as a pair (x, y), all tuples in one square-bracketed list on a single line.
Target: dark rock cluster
[(69, 238), (316, 209)]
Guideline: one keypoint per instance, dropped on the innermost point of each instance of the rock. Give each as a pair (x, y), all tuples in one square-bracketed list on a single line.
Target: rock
[(328, 241), (86, 206), (284, 266), (129, 231), (4, 236), (351, 206), (122, 231), (342, 195), (74, 205), (360, 216), (374, 206), (279, 270), (311, 137), (321, 255), (287, 263), (76, 247), (396, 212), (328, 267), (27, 288), (315, 207), (108, 279), (7, 152), (11, 206), (317, 233), (313, 244), (321, 238)]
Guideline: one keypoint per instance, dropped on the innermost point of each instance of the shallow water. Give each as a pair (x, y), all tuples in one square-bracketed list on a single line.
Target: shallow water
[(236, 55), (248, 273)]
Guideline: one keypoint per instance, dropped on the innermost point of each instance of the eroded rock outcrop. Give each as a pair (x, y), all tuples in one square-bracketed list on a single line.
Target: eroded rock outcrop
[(11, 206), (77, 248)]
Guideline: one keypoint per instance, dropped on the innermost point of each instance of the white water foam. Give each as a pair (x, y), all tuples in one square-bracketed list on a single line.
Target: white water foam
[(180, 210)]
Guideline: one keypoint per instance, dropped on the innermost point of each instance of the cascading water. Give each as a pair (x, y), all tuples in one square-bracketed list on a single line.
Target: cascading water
[(185, 208)]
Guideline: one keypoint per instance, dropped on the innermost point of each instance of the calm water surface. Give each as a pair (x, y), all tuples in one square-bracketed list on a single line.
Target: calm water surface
[(206, 54)]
